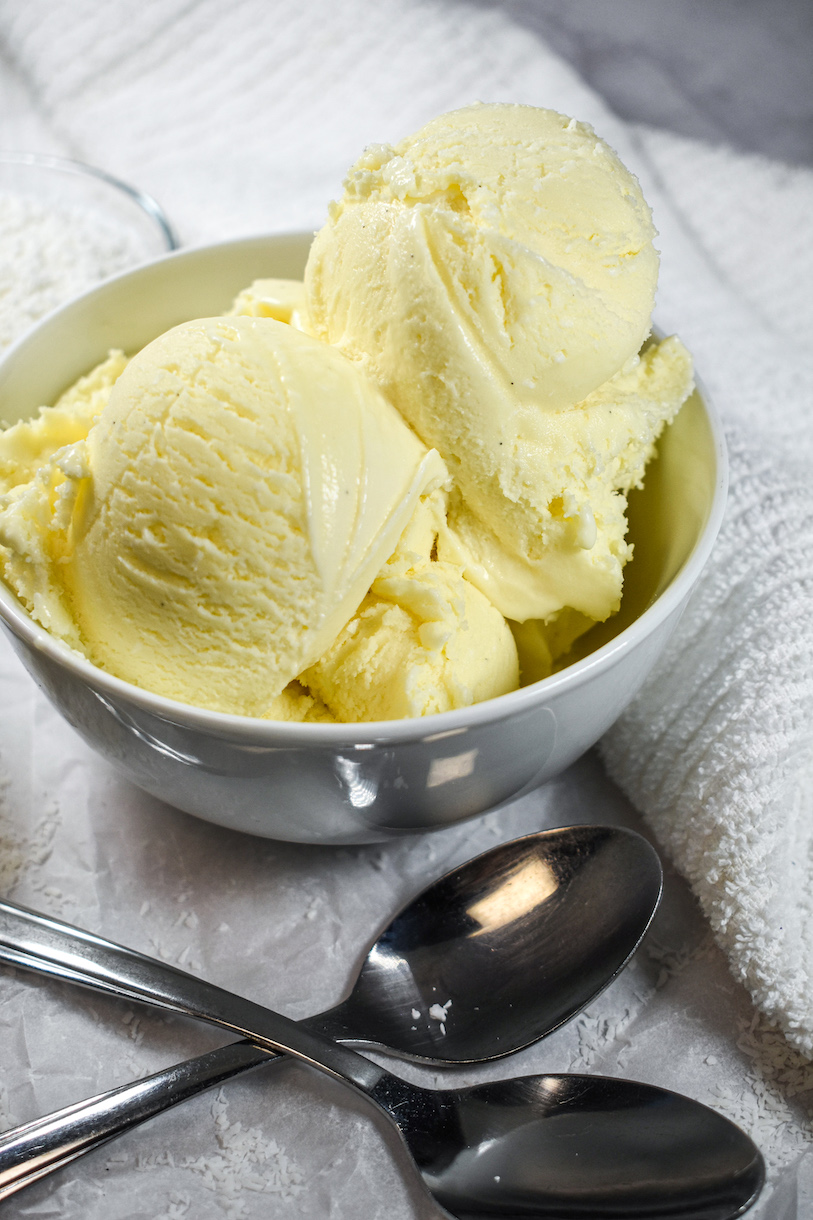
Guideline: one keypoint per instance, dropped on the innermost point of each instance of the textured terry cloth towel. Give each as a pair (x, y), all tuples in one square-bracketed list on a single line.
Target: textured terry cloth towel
[(242, 116), (717, 750)]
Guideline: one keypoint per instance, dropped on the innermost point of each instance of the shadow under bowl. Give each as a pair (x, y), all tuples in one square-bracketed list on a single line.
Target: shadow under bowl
[(353, 783)]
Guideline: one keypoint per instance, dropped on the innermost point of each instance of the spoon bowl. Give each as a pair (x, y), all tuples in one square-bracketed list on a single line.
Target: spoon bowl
[(505, 949), (586, 1147)]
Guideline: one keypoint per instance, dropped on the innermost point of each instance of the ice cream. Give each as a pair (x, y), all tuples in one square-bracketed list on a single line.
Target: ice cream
[(423, 640), (283, 300), (349, 498), (225, 516), (495, 275)]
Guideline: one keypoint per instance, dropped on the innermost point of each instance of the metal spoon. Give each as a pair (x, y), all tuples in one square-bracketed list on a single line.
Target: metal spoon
[(519, 939), (539, 1147)]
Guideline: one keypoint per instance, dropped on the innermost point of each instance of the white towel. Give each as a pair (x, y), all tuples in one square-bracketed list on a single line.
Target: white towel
[(242, 116), (717, 750)]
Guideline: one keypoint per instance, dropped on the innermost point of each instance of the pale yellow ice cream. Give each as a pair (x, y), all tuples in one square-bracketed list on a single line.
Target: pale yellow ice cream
[(225, 517), (280, 299), (346, 499), (559, 538), (33, 486), (495, 274), (423, 640), (205, 520)]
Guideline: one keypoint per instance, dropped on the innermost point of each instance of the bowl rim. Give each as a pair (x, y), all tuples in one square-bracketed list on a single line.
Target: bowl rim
[(256, 731), (68, 165)]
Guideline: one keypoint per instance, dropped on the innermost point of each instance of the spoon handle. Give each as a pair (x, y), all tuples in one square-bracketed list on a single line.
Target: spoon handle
[(48, 946), (40, 1147)]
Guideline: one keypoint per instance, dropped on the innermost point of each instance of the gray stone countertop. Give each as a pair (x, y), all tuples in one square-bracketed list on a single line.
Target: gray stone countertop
[(738, 72)]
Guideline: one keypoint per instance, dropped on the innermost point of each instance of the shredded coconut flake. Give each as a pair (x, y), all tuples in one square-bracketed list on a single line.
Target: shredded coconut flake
[(246, 1161), (50, 254)]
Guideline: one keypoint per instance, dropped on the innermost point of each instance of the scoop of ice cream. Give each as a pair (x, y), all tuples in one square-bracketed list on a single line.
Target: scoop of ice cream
[(274, 298), (491, 272), (423, 640), (226, 515), (566, 511), (31, 443), (38, 458), (503, 254)]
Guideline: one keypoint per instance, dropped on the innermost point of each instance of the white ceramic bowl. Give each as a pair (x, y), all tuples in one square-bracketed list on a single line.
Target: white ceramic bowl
[(360, 782)]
